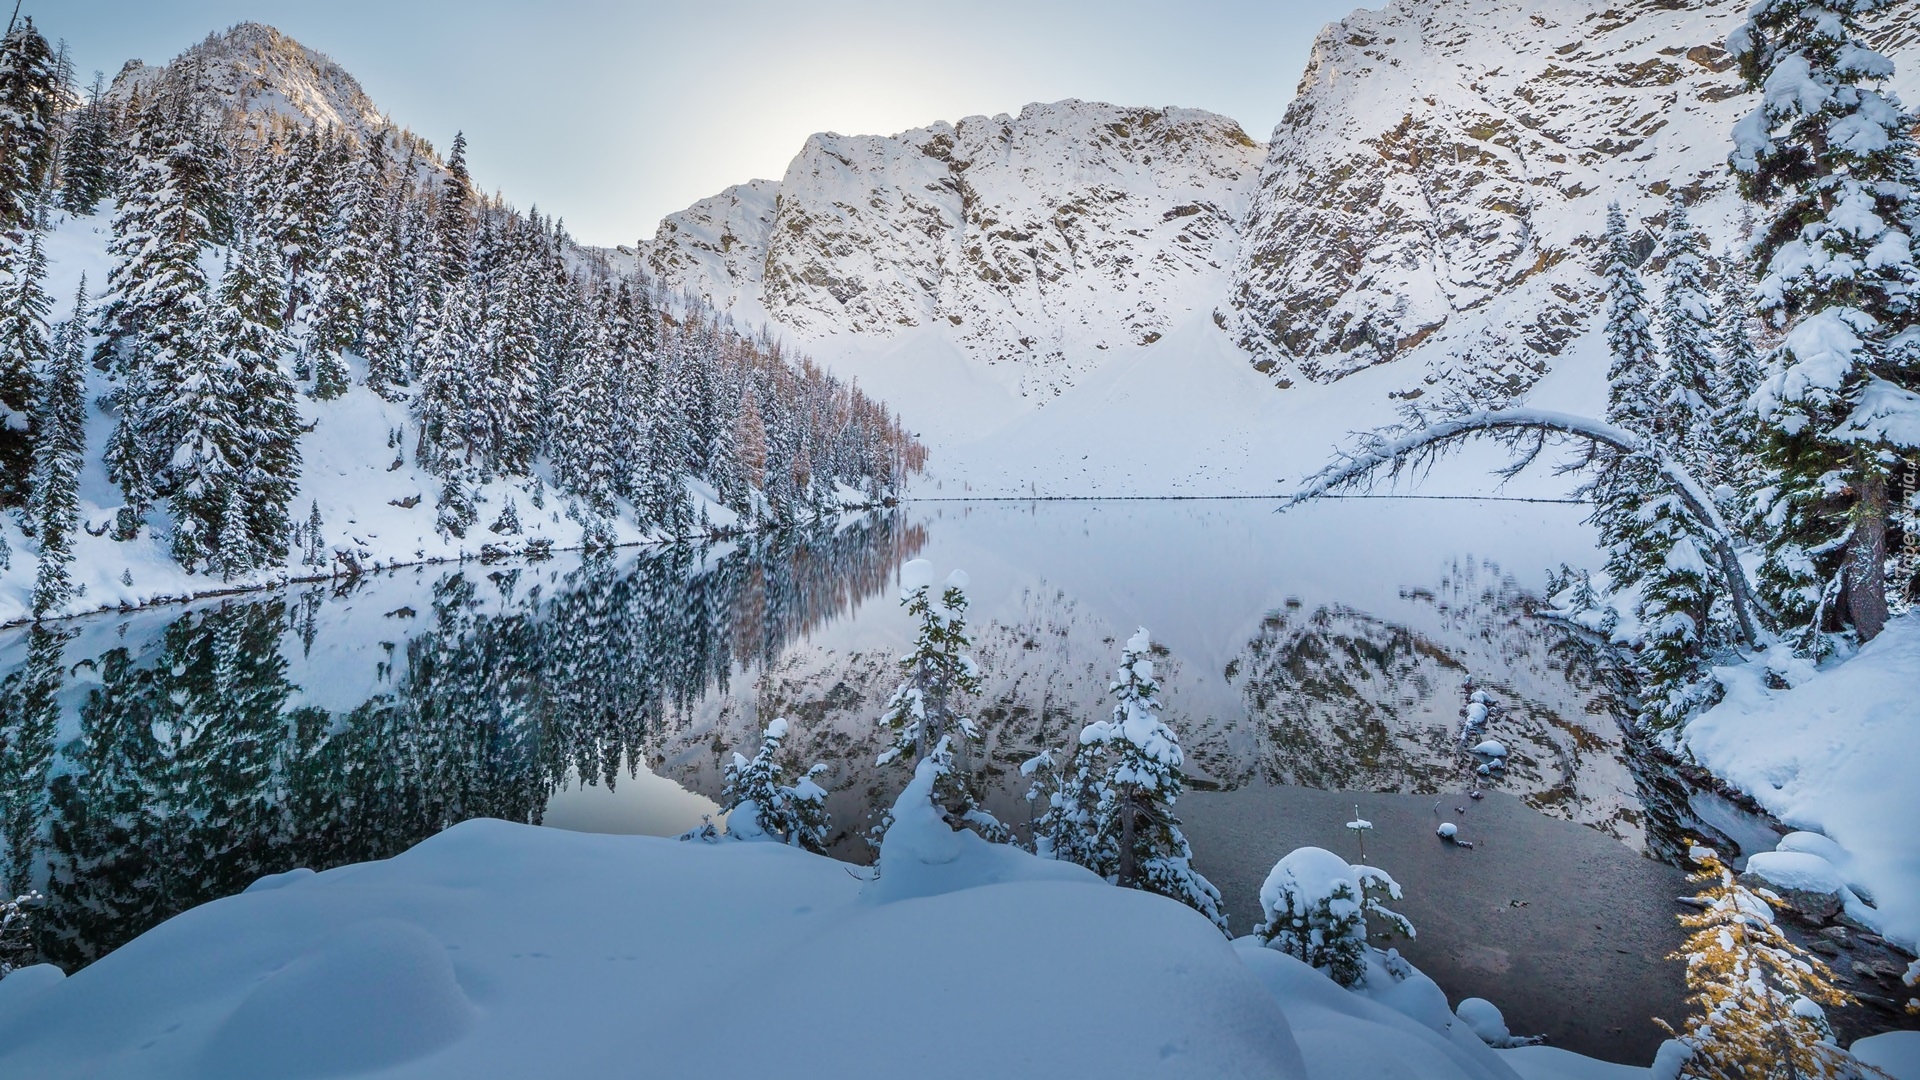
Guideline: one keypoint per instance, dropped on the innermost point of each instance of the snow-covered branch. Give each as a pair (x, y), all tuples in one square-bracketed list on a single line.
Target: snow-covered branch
[(1395, 450)]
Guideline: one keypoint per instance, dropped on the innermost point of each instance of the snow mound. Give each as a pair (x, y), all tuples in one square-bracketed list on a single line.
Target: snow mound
[(389, 995), (1347, 1036), (1491, 748), (1896, 1053), (1796, 870), (1484, 1018)]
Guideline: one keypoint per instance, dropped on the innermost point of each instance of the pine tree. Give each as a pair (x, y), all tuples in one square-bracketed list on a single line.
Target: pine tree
[(1736, 377), (1138, 779), (1066, 802), (59, 452), (86, 169), (24, 305), (347, 272), (156, 294), (1757, 994), (31, 97), (1316, 906), (1831, 162), (248, 334), (926, 706), (762, 804), (1683, 419), (1624, 482)]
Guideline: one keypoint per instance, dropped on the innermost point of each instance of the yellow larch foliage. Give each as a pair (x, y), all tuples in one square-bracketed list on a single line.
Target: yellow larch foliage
[(1756, 995)]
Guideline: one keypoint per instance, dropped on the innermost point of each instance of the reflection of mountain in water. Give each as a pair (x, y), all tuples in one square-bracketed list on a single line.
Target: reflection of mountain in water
[(177, 766), (1329, 698), (1348, 701)]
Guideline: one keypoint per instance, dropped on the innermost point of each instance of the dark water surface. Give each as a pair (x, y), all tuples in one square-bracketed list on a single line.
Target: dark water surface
[(1313, 662)]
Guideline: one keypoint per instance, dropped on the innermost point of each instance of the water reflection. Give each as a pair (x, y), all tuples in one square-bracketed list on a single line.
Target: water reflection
[(179, 757)]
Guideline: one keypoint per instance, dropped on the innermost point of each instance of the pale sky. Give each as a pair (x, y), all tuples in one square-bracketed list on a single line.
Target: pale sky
[(613, 114)]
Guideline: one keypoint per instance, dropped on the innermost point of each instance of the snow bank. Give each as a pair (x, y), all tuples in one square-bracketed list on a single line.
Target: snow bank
[(1896, 1053), (1837, 754), (503, 950)]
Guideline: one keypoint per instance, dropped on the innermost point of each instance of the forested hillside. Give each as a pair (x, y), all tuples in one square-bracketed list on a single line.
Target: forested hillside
[(233, 317)]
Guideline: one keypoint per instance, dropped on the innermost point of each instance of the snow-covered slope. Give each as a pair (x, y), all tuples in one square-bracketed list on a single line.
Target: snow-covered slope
[(1036, 242)]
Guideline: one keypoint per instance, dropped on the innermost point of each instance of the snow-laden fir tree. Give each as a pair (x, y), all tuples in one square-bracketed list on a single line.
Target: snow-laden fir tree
[(1633, 367), (1065, 802), (1736, 376), (32, 96), (24, 306), (59, 453), (347, 270), (763, 802), (1830, 161), (1757, 996), (1620, 485), (1683, 417), (926, 706), (1316, 906), (1135, 760), (156, 293), (86, 163)]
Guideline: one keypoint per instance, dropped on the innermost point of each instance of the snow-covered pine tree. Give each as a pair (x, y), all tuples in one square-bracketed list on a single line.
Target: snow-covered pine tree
[(1830, 161), (1316, 906), (925, 707), (584, 417), (1623, 483), (24, 305), (1758, 995), (156, 292), (86, 164), (347, 271), (387, 308), (1683, 418), (247, 333), (59, 453), (203, 465), (1065, 802), (31, 98), (452, 223), (1135, 760), (1633, 368), (1736, 376), (763, 804), (298, 213)]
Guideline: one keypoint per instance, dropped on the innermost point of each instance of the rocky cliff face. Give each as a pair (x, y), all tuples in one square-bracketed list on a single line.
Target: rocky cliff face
[(1036, 241), (1444, 172)]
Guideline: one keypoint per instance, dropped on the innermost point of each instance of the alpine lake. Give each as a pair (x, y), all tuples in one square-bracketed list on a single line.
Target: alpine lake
[(1316, 665)]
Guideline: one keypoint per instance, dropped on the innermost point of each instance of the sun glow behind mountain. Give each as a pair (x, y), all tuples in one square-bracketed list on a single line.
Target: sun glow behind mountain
[(611, 115)]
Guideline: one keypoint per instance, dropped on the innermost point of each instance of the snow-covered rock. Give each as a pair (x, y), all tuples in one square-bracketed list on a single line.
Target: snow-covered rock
[(1808, 884)]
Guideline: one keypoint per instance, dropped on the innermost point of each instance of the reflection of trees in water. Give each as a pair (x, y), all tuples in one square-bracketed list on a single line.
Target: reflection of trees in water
[(194, 770)]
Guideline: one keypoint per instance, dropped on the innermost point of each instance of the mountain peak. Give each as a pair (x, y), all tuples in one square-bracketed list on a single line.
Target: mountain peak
[(255, 69)]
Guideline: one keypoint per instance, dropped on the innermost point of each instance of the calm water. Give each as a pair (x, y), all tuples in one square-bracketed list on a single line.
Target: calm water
[(1315, 662)]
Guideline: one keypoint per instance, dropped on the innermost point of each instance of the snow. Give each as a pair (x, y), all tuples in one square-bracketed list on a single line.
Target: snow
[(1885, 414), (501, 950), (1483, 1017), (915, 575), (1491, 748), (1896, 1053), (1834, 755), (1553, 1063), (1447, 830), (1797, 870)]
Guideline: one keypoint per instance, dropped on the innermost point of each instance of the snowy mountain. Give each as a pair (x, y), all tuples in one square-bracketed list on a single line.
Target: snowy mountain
[(1443, 174), (260, 71), (1429, 209), (1035, 242)]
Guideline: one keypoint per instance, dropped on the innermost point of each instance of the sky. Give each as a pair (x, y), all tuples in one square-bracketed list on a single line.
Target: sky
[(613, 114)]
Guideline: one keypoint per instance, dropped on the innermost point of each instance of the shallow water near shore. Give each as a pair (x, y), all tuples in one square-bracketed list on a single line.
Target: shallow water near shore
[(1312, 662)]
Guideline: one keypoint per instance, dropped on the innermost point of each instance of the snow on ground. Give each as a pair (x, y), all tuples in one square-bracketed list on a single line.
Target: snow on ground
[(505, 950), (1837, 754)]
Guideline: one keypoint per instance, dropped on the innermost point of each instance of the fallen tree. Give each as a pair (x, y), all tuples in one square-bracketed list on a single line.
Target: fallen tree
[(1396, 450)]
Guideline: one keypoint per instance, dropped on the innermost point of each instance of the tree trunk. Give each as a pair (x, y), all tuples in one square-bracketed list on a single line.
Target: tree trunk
[(1127, 813), (1867, 551)]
